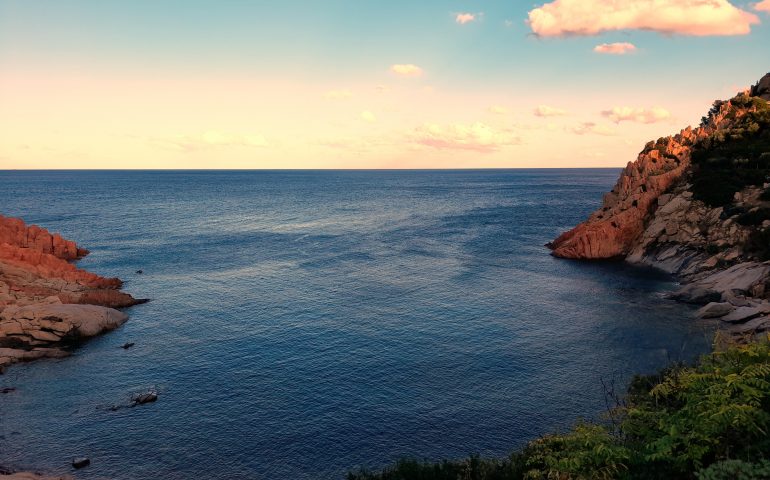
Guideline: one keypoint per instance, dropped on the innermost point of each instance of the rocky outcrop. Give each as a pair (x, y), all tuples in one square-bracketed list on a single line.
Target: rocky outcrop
[(31, 476), (614, 230), (652, 217), (46, 302)]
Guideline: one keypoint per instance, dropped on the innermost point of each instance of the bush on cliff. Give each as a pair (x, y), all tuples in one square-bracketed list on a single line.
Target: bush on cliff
[(734, 157), (710, 421)]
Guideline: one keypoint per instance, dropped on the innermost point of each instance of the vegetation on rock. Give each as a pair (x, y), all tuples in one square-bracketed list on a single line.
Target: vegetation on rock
[(735, 156), (708, 421)]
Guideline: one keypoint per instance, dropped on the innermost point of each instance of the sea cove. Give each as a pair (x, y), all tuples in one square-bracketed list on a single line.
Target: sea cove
[(305, 323)]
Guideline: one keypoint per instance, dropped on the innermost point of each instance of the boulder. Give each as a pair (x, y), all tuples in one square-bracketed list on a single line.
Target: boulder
[(741, 314), (715, 310)]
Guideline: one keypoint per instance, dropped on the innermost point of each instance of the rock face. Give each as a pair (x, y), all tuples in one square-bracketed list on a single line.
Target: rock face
[(614, 230), (47, 302), (652, 217), (762, 88)]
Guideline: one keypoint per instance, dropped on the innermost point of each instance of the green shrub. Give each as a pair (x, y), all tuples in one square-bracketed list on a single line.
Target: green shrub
[(733, 157), (735, 470), (682, 423), (587, 452)]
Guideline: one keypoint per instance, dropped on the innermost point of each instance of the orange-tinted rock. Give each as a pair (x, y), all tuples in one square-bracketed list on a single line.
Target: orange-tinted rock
[(34, 265), (613, 230)]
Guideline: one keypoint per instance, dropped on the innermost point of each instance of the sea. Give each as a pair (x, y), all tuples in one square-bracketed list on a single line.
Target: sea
[(302, 324)]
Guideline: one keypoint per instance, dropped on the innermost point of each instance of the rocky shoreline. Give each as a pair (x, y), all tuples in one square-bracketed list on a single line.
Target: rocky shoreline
[(655, 216), (47, 304)]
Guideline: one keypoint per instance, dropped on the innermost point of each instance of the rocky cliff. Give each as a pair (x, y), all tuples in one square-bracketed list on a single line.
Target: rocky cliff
[(46, 302), (696, 204)]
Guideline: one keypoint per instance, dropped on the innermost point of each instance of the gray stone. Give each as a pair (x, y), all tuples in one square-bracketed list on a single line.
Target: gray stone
[(715, 310), (741, 314)]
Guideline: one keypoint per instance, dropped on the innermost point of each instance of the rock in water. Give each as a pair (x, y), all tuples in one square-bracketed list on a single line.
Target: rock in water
[(143, 398), (81, 462)]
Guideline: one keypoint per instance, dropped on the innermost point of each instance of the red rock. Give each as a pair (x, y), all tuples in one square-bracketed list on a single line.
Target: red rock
[(611, 231), (34, 265)]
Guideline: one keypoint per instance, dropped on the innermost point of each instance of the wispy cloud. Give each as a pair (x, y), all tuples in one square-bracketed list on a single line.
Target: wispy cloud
[(498, 110), (763, 6), (211, 139), (477, 137), (618, 48), (546, 111), (587, 128), (638, 115), (683, 17), (406, 70), (338, 94)]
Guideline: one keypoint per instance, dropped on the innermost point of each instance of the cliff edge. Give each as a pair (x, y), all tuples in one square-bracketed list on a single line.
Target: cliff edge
[(46, 302), (697, 205)]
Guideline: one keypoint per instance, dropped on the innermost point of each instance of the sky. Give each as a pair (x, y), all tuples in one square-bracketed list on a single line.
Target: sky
[(108, 84)]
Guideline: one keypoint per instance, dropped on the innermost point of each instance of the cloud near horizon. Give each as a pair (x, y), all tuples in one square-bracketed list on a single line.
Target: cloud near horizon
[(586, 128), (477, 137), (546, 111), (406, 70), (368, 116), (338, 94), (498, 110), (618, 48), (669, 17), (638, 115), (211, 139)]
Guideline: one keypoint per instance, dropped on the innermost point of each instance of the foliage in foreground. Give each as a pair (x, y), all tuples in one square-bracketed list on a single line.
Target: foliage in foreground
[(707, 422)]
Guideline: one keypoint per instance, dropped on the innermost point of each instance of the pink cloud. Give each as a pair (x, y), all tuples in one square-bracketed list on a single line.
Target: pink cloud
[(638, 115), (683, 17), (619, 48), (463, 18), (587, 128), (477, 137), (546, 111), (763, 6), (406, 70), (211, 139)]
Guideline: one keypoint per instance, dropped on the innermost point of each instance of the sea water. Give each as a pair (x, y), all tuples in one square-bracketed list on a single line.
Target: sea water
[(305, 323)]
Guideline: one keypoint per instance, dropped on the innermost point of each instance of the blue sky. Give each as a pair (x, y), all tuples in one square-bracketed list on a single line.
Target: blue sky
[(247, 84)]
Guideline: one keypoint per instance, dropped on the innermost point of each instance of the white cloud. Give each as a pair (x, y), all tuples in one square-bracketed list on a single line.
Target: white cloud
[(477, 137), (683, 17), (406, 70), (212, 139), (618, 48), (368, 116), (498, 110), (586, 128), (639, 115), (546, 111), (338, 94)]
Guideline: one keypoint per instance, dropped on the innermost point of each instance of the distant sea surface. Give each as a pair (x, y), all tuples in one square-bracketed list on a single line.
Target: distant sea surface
[(304, 323)]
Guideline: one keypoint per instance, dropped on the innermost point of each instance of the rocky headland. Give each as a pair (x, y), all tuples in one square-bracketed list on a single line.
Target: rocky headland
[(47, 304), (697, 205)]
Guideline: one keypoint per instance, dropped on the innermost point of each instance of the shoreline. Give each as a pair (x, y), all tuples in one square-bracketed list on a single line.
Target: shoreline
[(48, 305)]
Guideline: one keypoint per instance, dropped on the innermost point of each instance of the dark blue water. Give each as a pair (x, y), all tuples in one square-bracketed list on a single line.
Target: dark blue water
[(305, 323)]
